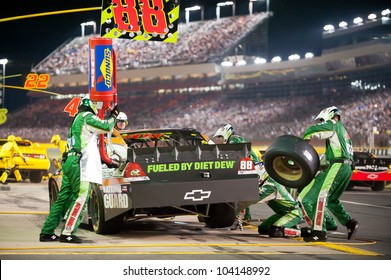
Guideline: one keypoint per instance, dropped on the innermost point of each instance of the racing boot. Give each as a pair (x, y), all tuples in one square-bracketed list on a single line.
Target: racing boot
[(352, 226), (4, 176), (18, 177), (48, 237), (305, 231), (316, 236), (276, 231), (262, 231), (70, 239)]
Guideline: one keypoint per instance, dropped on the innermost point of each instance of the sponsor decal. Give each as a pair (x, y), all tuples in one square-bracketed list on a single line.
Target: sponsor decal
[(133, 173), (197, 195), (115, 200), (319, 212), (74, 216), (187, 166)]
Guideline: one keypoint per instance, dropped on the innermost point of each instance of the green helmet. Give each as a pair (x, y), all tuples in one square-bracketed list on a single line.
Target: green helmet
[(87, 104), (328, 114)]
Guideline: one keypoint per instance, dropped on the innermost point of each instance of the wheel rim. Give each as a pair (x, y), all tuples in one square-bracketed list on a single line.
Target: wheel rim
[(287, 168)]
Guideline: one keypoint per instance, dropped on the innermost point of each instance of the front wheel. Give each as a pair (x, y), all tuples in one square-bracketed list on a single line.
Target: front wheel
[(97, 213)]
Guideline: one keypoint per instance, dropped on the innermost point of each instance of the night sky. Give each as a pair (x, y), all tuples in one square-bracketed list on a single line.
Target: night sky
[(296, 27)]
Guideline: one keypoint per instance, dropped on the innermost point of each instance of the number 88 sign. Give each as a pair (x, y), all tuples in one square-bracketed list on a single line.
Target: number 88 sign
[(147, 20)]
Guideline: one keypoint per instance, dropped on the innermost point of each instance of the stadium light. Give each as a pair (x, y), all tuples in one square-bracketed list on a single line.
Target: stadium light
[(260, 60), (372, 17), (276, 59), (343, 24), (329, 28), (88, 23), (227, 64), (294, 57), (309, 55), (3, 61), (386, 14), (223, 4), (241, 62), (358, 21), (251, 5), (194, 8)]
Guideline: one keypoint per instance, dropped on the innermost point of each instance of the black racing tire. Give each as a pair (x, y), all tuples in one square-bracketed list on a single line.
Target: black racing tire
[(220, 215), (291, 161), (35, 176), (378, 186), (53, 192), (350, 186), (97, 213)]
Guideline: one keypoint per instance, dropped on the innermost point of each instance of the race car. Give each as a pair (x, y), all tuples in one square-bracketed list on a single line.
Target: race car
[(370, 171), (167, 173), (37, 164)]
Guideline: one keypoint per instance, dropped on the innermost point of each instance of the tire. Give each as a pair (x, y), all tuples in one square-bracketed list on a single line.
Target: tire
[(35, 176), (220, 215), (53, 192), (97, 213), (378, 186), (350, 186), (291, 161)]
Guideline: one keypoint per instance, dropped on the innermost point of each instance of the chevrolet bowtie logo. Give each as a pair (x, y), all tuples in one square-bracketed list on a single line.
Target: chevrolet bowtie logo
[(197, 195)]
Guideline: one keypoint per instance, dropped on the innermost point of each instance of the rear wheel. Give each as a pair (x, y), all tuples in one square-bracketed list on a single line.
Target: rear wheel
[(35, 176), (350, 186), (97, 213), (378, 186), (220, 215), (53, 192), (291, 161)]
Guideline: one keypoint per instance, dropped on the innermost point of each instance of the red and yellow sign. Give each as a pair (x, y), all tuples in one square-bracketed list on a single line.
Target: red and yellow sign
[(146, 20)]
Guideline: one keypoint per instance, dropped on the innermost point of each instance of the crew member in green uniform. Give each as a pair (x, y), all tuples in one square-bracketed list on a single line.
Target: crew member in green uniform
[(328, 185), (82, 167)]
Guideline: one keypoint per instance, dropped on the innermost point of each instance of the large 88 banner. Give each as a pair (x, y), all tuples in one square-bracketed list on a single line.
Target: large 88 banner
[(147, 20)]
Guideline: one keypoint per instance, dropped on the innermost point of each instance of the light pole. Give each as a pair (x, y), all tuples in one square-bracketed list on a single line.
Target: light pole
[(222, 4), (3, 61), (251, 5), (88, 23), (194, 8)]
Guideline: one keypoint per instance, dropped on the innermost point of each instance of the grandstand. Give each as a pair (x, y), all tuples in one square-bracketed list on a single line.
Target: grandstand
[(185, 85)]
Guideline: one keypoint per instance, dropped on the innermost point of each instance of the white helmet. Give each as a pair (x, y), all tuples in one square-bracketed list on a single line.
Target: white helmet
[(328, 114), (122, 117), (225, 131)]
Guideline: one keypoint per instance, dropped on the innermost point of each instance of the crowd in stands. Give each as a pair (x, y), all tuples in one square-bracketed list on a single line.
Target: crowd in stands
[(198, 42), (257, 119)]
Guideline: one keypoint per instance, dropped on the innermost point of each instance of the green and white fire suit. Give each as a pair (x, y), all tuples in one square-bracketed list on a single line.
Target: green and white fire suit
[(234, 139), (287, 210), (328, 185), (82, 167)]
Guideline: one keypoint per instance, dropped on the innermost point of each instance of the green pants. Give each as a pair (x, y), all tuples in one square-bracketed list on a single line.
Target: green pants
[(323, 193), (278, 198), (73, 196)]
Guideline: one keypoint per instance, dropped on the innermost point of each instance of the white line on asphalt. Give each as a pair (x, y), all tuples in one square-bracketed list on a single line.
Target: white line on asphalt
[(365, 204)]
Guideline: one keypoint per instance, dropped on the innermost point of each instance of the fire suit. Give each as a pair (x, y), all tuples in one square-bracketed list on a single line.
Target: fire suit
[(328, 185), (254, 157), (286, 208), (8, 152), (81, 167)]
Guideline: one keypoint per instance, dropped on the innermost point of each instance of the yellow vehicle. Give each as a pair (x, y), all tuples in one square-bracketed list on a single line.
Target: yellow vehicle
[(37, 164)]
